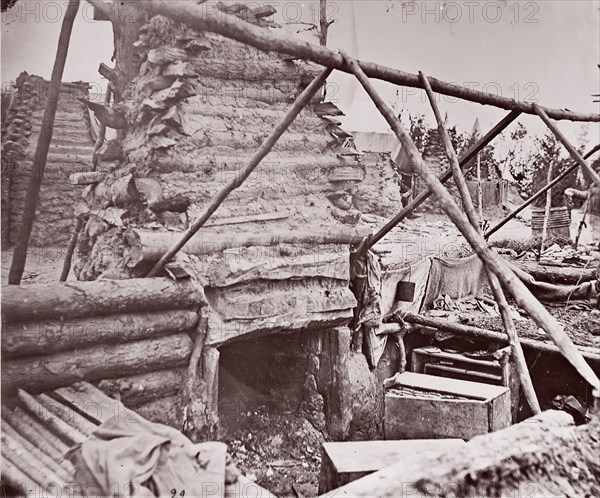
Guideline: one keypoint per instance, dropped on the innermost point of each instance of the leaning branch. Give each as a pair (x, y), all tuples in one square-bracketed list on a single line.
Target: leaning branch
[(206, 17), (461, 184)]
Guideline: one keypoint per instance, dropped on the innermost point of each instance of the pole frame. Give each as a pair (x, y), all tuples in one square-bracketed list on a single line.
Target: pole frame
[(497, 291), (523, 296)]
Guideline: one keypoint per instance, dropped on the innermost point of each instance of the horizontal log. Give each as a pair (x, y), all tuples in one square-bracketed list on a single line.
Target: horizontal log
[(95, 363), (101, 297), (483, 334), (229, 269), (155, 244), (565, 275), (143, 388), (44, 337), (167, 410)]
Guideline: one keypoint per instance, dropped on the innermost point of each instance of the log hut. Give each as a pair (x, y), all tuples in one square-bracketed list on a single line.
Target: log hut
[(272, 265), (268, 273)]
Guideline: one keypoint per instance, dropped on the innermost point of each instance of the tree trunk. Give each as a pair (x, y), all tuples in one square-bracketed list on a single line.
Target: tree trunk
[(101, 297), (44, 337), (484, 335), (94, 363), (155, 244)]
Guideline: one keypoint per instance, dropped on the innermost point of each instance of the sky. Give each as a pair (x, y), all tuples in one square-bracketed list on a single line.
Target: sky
[(546, 51)]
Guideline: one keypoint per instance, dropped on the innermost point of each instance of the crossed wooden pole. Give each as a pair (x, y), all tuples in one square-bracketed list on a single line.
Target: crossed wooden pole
[(500, 275)]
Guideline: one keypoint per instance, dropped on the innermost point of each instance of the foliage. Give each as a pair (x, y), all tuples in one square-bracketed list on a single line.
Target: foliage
[(427, 139), (7, 4), (549, 154)]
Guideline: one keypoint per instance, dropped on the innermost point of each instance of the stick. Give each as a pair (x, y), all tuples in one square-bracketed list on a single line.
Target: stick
[(589, 173), (444, 177), (303, 99), (509, 326), (479, 191), (522, 295), (102, 132), (201, 17), (41, 152), (71, 249), (481, 334), (546, 210)]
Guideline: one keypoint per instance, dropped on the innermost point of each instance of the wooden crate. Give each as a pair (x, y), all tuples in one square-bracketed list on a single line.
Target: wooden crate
[(430, 407), (345, 462), (500, 372)]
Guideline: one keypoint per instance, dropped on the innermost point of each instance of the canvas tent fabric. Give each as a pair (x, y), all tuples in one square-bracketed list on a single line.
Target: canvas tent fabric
[(147, 459), (459, 279)]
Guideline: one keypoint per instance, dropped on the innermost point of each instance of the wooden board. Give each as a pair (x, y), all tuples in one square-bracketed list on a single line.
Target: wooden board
[(344, 462), (473, 390)]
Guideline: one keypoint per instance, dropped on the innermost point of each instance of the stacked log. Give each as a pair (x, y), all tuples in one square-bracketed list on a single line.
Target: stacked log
[(131, 337)]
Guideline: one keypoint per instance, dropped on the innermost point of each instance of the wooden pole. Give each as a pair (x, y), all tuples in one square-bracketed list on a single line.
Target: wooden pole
[(481, 334), (444, 177), (522, 295), (547, 209), (102, 132), (509, 326), (303, 99), (206, 18), (479, 192), (589, 173), (41, 152)]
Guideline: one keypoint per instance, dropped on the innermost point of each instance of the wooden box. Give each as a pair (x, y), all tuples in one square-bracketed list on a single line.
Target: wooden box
[(499, 372), (345, 462), (429, 407)]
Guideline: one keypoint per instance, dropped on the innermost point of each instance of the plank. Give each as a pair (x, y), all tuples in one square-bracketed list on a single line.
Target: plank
[(473, 390)]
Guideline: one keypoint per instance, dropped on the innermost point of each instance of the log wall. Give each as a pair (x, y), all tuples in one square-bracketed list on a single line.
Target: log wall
[(70, 152), (132, 338)]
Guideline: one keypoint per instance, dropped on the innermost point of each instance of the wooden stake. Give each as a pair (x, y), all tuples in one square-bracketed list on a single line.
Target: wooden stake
[(546, 210), (589, 173), (509, 326), (41, 152), (198, 16), (303, 99), (79, 222), (522, 295)]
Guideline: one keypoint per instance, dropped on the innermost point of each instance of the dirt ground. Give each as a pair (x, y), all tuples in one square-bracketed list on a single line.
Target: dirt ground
[(583, 326), (280, 450)]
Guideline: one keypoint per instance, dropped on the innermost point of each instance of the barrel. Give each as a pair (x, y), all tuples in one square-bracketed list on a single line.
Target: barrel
[(558, 222)]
